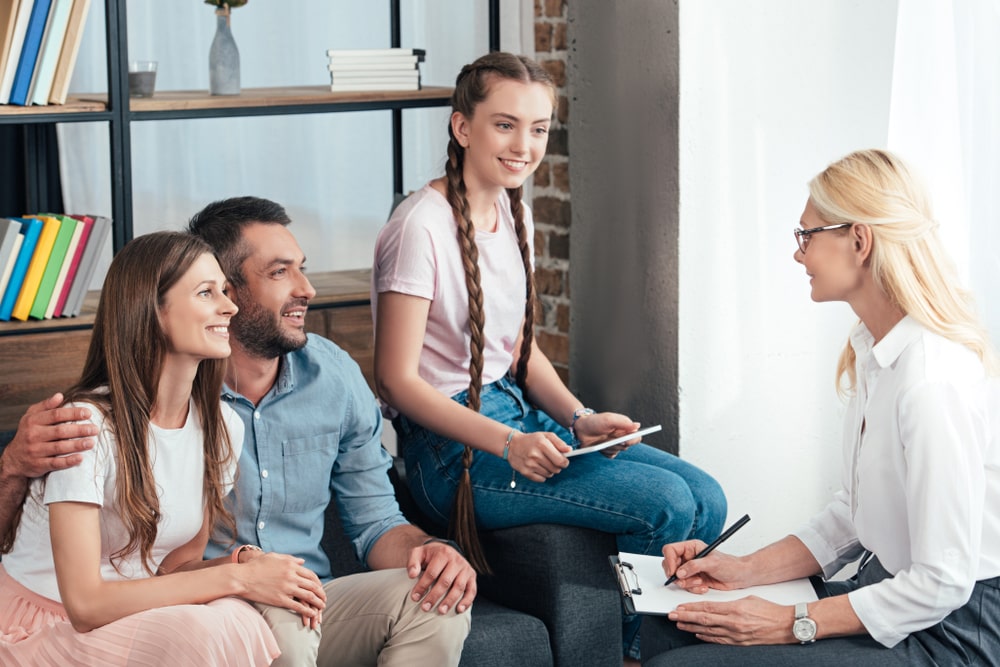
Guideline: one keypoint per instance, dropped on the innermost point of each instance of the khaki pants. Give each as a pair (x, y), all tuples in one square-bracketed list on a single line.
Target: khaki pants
[(369, 620)]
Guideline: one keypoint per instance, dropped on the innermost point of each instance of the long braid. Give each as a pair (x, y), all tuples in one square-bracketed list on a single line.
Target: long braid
[(471, 88), (463, 516), (528, 332)]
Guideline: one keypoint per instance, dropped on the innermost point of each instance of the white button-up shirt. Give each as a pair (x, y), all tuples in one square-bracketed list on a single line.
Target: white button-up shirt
[(921, 462)]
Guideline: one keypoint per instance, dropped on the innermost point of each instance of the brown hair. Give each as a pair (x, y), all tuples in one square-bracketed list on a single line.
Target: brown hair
[(471, 88), (121, 375)]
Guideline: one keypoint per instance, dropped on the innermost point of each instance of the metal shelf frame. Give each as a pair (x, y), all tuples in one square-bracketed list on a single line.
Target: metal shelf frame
[(119, 116)]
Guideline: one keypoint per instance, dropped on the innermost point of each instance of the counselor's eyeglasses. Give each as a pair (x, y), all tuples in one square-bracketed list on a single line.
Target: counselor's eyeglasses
[(802, 235)]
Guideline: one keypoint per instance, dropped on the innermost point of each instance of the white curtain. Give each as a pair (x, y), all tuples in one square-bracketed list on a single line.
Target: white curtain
[(331, 171), (945, 118)]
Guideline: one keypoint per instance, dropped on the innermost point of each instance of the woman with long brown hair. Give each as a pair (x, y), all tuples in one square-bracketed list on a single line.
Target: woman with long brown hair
[(484, 420), (105, 564)]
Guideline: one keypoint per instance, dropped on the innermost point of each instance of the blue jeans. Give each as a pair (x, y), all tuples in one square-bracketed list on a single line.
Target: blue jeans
[(644, 496)]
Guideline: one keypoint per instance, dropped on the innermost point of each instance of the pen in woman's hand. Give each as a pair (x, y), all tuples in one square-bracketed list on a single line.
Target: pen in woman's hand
[(711, 547)]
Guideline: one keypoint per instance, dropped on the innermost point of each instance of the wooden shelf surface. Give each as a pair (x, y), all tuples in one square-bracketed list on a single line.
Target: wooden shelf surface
[(201, 100), (74, 104), (333, 288)]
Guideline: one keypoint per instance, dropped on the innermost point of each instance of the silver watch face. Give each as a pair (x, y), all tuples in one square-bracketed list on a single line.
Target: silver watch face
[(804, 629)]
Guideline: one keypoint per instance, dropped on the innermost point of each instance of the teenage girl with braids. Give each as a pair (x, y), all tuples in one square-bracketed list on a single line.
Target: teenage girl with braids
[(484, 420)]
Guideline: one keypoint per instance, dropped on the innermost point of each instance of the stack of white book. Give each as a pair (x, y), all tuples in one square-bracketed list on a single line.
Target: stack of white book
[(375, 69)]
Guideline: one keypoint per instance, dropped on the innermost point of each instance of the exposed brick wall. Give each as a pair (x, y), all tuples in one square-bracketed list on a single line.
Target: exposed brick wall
[(551, 203)]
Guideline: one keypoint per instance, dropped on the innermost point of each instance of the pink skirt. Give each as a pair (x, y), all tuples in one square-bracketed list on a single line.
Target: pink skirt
[(35, 632)]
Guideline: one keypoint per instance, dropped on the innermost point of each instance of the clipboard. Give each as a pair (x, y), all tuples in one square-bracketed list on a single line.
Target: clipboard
[(640, 581), (604, 444)]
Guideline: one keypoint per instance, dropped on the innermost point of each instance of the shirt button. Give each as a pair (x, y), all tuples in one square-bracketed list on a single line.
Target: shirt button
[(263, 473), (256, 415), (260, 526)]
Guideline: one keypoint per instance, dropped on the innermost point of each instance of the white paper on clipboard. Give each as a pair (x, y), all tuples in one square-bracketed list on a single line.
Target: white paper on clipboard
[(596, 447)]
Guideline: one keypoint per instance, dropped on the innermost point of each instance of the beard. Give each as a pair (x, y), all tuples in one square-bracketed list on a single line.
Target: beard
[(258, 331)]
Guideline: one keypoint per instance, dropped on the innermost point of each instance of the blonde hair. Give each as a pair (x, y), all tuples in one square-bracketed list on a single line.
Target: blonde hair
[(908, 261)]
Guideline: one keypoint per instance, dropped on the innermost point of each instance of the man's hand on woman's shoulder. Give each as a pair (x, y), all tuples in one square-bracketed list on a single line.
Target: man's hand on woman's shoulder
[(48, 437)]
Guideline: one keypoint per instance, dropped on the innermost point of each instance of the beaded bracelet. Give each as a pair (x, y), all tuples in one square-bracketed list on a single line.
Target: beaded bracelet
[(578, 414), (506, 447)]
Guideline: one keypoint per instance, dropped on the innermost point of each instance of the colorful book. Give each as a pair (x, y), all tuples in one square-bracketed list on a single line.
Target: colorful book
[(9, 269), (33, 276), (88, 264), (64, 269), (48, 55), (10, 235), (86, 223), (29, 53), (13, 48), (67, 55), (31, 230), (67, 226)]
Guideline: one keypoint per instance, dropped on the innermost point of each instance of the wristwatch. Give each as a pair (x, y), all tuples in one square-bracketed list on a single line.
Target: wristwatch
[(804, 628)]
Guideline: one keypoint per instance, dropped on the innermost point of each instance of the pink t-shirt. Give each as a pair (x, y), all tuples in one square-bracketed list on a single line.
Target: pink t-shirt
[(418, 253)]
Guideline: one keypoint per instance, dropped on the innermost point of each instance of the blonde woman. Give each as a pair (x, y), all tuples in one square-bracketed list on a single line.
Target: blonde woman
[(921, 480)]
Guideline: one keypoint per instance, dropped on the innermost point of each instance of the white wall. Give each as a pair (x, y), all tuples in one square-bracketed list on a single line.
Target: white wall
[(771, 92), (331, 171)]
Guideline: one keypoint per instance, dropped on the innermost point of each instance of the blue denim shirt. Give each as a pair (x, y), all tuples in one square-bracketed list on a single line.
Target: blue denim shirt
[(316, 432)]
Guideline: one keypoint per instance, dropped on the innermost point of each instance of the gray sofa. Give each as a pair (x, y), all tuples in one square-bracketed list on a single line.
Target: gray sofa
[(552, 600)]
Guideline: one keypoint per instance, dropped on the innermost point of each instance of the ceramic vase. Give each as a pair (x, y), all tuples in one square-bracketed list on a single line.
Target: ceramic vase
[(223, 58)]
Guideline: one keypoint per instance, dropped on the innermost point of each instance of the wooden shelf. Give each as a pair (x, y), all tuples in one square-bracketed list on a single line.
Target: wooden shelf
[(333, 289), (177, 100), (74, 104), (251, 101)]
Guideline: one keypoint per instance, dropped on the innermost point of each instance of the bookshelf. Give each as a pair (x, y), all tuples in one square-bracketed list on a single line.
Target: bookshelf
[(39, 357)]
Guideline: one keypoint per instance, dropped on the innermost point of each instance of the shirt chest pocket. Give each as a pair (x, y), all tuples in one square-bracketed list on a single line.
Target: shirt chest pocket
[(308, 464)]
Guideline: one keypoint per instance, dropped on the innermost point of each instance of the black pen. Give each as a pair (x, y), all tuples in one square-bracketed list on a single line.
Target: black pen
[(711, 547)]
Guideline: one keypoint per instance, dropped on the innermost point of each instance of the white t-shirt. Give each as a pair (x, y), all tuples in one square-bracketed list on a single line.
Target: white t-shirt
[(178, 467), (417, 253), (921, 462)]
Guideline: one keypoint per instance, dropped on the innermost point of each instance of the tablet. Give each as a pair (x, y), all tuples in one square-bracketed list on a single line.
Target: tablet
[(598, 446)]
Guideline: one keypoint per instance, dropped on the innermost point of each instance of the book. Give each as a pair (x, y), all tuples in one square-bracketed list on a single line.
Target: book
[(29, 52), (8, 19), (31, 230), (88, 264), (68, 53), (10, 235), (375, 75), (379, 81), (13, 48), (33, 276), (48, 55), (641, 578), (9, 269), (64, 269), (86, 223), (376, 53), (67, 226), (358, 63), (347, 87)]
